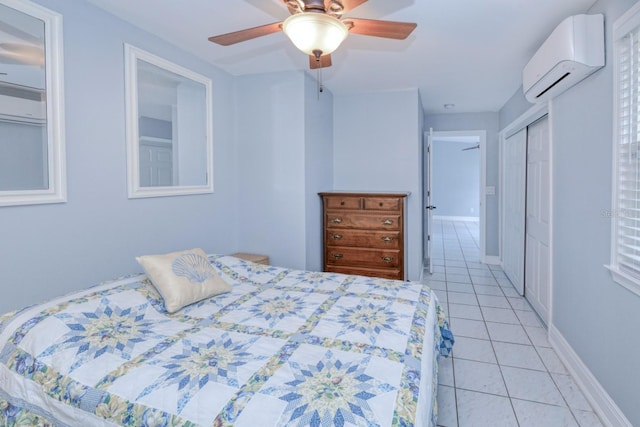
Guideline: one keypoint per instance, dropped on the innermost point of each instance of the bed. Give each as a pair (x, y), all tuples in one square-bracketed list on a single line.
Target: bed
[(281, 347)]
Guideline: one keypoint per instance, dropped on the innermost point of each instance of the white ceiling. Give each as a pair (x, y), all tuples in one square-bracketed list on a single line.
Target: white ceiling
[(464, 52)]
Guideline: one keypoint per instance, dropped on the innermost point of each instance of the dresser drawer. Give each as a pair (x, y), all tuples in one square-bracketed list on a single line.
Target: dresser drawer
[(336, 219), (363, 238), (382, 203), (339, 202), (388, 273), (381, 258)]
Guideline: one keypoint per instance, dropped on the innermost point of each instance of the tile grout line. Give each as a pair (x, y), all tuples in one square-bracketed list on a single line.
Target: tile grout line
[(495, 355), (453, 370)]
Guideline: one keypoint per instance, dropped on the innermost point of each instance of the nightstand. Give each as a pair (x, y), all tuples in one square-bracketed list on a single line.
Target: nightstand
[(258, 259)]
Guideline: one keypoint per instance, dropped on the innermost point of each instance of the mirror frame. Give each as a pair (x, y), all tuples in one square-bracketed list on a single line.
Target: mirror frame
[(54, 78), (132, 55)]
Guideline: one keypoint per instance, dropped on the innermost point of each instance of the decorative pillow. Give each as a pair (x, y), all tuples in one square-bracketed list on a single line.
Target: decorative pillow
[(183, 278)]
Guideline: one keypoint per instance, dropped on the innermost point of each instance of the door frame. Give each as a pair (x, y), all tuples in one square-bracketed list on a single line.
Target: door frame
[(427, 241), (529, 117), (482, 136)]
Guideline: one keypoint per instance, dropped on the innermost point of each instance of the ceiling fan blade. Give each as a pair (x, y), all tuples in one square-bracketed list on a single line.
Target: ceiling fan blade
[(386, 29), (248, 34), (475, 147), (324, 62)]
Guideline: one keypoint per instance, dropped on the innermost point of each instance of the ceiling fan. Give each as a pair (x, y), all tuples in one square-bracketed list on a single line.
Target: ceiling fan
[(317, 28)]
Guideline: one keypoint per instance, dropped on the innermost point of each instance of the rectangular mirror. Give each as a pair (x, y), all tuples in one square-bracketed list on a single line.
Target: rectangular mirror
[(31, 107), (169, 138)]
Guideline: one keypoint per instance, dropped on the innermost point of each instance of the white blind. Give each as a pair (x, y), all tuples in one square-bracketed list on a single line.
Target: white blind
[(627, 213)]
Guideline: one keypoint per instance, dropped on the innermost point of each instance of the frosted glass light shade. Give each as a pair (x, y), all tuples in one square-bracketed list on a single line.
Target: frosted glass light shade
[(315, 31)]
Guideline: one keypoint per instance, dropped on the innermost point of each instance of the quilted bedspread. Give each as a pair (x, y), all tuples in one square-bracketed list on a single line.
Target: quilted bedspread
[(284, 347)]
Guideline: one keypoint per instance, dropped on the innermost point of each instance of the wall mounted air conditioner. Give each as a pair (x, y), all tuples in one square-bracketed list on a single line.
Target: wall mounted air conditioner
[(23, 110), (574, 50)]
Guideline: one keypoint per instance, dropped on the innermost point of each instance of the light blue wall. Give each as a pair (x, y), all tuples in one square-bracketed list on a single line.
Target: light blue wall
[(318, 165), (455, 179), (378, 147), (584, 294), (479, 121), (515, 106), (48, 250), (271, 186), (273, 142), (598, 318), (284, 141)]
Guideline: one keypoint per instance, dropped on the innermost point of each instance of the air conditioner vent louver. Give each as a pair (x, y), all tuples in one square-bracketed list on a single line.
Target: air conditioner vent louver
[(553, 85), (573, 51)]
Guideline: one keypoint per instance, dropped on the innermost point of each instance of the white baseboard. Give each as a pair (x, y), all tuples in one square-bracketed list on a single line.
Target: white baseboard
[(609, 413), (456, 218), (491, 259)]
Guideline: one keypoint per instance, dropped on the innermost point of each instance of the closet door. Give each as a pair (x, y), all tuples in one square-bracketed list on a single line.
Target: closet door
[(538, 253), (515, 167)]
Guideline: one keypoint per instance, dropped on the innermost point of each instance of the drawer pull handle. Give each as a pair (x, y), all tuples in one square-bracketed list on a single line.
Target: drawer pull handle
[(387, 239), (342, 203), (337, 256), (336, 220), (336, 236), (387, 259), (387, 222)]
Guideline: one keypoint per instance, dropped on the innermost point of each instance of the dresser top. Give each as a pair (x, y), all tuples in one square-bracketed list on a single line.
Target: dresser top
[(365, 193)]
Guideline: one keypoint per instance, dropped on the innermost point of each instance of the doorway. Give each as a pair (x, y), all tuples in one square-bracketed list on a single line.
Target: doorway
[(453, 183)]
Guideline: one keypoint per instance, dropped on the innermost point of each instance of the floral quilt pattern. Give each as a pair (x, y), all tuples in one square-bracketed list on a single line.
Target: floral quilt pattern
[(284, 347)]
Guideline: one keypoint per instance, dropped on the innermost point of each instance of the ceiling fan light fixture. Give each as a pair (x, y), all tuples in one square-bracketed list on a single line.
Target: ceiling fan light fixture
[(312, 31)]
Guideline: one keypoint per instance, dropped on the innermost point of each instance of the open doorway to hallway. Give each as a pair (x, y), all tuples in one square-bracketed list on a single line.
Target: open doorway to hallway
[(453, 176)]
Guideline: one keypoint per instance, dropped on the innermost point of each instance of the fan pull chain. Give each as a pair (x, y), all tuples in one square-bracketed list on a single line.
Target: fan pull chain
[(318, 55), (319, 81)]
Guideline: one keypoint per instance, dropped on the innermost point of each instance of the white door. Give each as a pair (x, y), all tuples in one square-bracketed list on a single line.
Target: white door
[(538, 252), (156, 165), (515, 175)]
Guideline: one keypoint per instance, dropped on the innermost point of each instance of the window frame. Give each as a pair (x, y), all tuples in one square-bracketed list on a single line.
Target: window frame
[(628, 23)]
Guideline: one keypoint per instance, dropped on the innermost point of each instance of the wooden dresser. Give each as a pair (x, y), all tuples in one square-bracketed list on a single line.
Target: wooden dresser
[(364, 233)]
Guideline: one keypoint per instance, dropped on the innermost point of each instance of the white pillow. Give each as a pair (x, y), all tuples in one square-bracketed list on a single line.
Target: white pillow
[(183, 278)]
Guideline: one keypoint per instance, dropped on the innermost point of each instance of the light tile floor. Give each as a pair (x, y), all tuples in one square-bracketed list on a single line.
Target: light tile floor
[(503, 371)]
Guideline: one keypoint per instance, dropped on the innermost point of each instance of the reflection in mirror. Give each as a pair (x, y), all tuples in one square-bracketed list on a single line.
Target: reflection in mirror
[(169, 128), (31, 151)]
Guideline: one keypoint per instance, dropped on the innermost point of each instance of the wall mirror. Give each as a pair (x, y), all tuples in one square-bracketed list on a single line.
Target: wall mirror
[(169, 138), (32, 159)]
